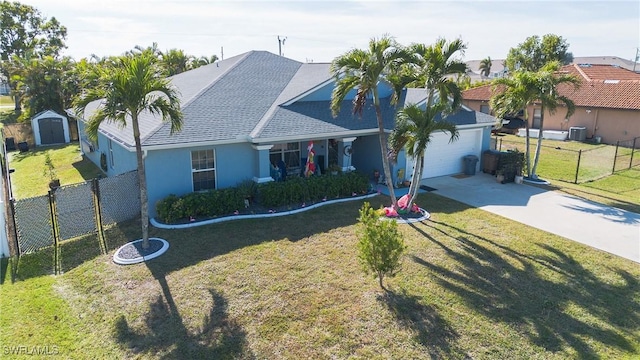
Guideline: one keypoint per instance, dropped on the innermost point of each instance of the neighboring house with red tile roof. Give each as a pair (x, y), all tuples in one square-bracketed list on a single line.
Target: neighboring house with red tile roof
[(607, 103)]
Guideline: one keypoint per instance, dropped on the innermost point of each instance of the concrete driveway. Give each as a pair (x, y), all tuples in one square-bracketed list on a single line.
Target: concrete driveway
[(603, 227)]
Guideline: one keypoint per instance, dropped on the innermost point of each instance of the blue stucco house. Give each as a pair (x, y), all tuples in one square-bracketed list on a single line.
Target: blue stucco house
[(244, 114)]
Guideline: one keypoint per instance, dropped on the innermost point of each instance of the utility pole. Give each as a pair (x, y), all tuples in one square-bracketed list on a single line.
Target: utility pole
[(281, 44), (636, 59)]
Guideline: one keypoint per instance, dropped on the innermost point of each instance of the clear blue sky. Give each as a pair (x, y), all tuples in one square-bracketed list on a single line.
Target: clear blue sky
[(322, 30)]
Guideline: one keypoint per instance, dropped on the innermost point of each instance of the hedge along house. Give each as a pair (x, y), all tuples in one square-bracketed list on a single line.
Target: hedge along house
[(243, 116)]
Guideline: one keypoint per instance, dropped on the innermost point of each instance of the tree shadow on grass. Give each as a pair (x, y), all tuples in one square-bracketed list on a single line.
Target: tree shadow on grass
[(168, 338), (432, 330), (540, 308)]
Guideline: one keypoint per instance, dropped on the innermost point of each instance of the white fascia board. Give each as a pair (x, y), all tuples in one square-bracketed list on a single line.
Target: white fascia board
[(333, 135), (473, 126), (191, 144)]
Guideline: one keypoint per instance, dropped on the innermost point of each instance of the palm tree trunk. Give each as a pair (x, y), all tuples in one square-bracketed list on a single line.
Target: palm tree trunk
[(385, 160), (142, 179), (533, 174), (415, 184), (414, 175), (18, 106), (527, 152)]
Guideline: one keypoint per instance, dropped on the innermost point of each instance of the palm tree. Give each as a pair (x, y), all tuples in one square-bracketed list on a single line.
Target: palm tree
[(175, 61), (548, 81), (524, 88), (364, 70), (135, 85), (437, 69), (485, 66), (203, 60), (413, 131)]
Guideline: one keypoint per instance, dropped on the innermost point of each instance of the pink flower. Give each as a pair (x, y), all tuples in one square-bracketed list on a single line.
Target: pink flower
[(191, 219), (324, 198), (271, 211), (303, 204), (236, 212), (389, 211), (353, 194)]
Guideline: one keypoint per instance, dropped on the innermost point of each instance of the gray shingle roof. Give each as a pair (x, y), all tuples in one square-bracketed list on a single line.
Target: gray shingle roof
[(314, 118), (243, 99), (466, 116), (233, 106)]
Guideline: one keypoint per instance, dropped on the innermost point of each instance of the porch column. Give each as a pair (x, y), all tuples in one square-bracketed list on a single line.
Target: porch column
[(344, 154), (263, 170)]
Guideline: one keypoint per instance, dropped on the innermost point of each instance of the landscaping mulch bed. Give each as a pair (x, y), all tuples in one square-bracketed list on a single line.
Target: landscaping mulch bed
[(134, 250)]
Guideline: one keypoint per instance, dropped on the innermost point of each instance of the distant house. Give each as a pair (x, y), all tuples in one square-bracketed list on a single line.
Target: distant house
[(607, 103), (247, 114), (498, 69)]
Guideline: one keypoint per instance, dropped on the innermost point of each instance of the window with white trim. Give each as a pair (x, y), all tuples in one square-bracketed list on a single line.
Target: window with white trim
[(289, 153), (203, 170)]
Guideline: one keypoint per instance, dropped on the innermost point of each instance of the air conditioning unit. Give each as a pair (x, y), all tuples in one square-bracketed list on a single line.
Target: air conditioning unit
[(578, 133)]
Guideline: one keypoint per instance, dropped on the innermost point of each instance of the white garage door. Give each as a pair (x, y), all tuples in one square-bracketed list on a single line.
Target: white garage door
[(444, 158)]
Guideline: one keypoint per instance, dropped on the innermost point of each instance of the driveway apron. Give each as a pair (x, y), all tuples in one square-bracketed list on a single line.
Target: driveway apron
[(603, 227)]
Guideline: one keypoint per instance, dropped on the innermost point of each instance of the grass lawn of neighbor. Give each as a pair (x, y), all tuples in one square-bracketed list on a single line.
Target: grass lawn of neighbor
[(29, 178)]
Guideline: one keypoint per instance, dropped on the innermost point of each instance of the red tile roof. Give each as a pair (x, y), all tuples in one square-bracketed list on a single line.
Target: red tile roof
[(603, 86), (601, 72)]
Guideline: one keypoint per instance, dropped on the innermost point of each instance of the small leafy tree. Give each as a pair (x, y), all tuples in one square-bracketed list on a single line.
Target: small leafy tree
[(380, 245)]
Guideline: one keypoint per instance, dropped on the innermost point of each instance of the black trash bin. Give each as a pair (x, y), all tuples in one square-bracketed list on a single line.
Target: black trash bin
[(490, 160), (470, 162), (10, 144)]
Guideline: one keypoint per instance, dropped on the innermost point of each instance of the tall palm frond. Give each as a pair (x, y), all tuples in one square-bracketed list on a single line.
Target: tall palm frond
[(362, 70)]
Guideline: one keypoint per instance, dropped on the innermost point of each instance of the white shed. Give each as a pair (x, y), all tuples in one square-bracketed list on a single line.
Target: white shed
[(50, 128)]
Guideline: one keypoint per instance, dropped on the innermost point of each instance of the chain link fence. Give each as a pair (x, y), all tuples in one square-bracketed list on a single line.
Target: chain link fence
[(74, 208), (558, 162)]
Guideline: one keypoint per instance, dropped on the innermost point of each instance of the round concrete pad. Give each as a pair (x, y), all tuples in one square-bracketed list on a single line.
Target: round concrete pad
[(132, 252)]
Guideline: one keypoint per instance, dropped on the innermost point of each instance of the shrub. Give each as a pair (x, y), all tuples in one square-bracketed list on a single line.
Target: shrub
[(293, 192), (380, 244), (313, 189)]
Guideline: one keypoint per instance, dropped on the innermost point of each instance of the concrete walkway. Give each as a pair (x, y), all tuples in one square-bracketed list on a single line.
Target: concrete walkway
[(603, 227)]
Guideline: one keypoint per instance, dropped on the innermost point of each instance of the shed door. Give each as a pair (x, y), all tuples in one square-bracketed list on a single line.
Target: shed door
[(444, 158), (51, 131)]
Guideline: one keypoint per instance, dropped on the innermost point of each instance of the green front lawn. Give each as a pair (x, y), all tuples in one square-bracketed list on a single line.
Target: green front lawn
[(29, 179), (473, 285)]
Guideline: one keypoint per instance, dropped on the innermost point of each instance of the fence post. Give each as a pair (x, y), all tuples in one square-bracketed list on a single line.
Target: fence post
[(14, 238), (95, 187), (14, 227), (615, 157), (578, 166), (633, 149), (54, 230)]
